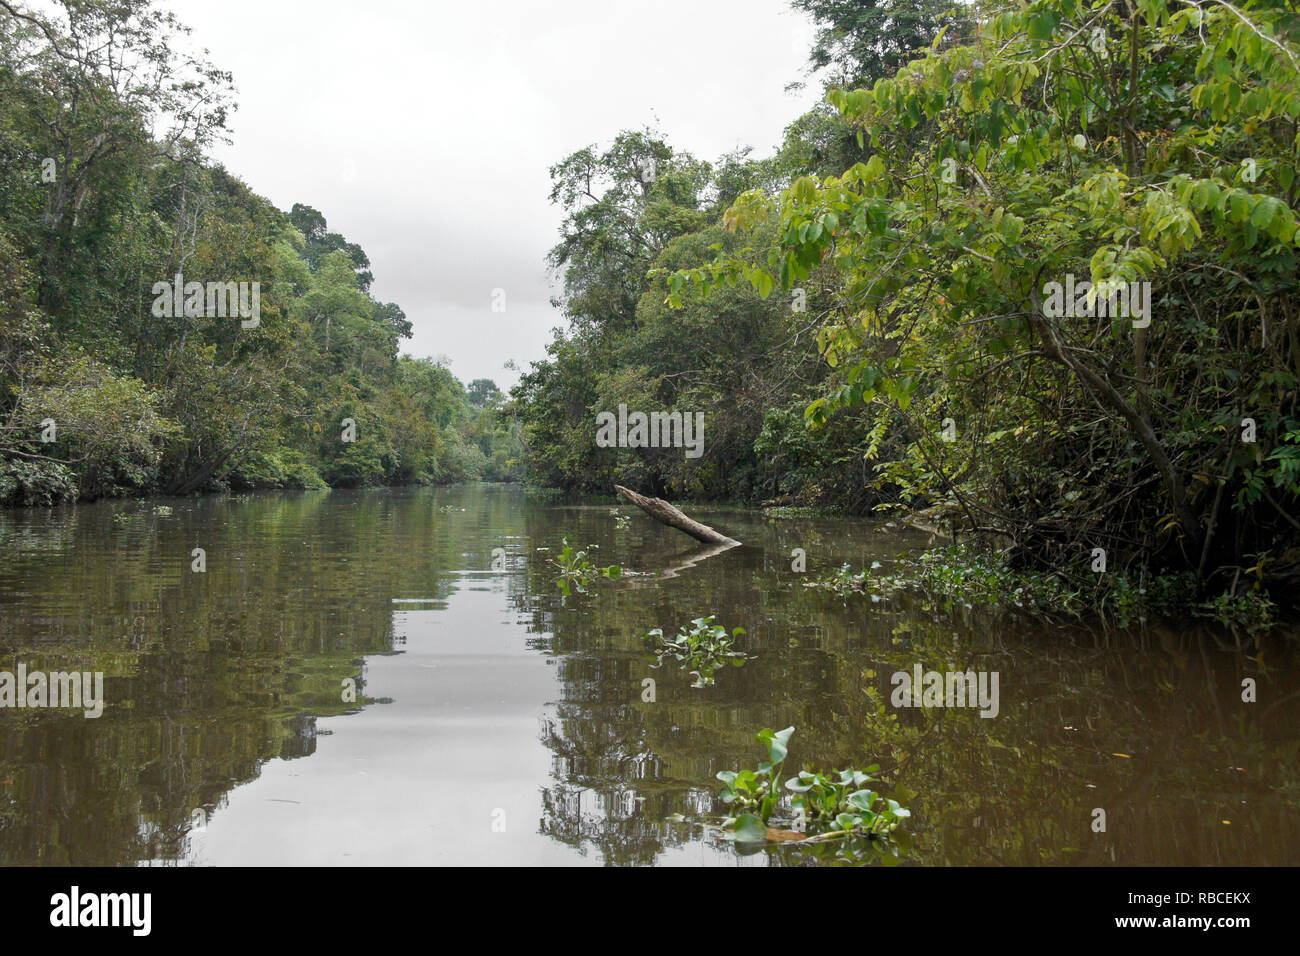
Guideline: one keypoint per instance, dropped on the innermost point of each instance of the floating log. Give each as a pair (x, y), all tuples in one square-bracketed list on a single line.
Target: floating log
[(665, 513)]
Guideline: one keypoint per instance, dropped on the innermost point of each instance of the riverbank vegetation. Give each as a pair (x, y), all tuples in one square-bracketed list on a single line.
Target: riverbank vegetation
[(871, 317), (109, 188), (966, 576)]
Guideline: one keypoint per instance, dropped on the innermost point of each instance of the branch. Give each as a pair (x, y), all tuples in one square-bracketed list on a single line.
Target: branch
[(44, 28)]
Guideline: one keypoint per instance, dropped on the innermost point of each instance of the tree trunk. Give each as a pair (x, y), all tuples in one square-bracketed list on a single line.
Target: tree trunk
[(665, 513), (1109, 396)]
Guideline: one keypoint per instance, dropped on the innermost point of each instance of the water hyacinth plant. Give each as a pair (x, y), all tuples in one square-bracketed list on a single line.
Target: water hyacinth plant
[(702, 648), (577, 572), (834, 805)]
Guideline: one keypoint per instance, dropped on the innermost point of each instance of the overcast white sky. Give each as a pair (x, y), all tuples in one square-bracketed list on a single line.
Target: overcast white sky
[(423, 131)]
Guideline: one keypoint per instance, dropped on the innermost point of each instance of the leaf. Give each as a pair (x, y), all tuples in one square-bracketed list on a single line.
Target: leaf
[(750, 829), (863, 800), (777, 743), (1263, 213), (1042, 24)]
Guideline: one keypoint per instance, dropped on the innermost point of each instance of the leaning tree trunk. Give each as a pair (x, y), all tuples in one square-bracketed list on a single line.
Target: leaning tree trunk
[(665, 513)]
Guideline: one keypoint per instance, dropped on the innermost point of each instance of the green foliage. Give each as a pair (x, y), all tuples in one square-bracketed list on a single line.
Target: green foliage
[(483, 392), (275, 467), (187, 403), (844, 580), (1252, 611), (834, 805), (108, 427), (862, 41), (959, 575), (701, 649), (577, 573), (840, 799), (462, 462), (757, 790), (1146, 144), (36, 482), (964, 576)]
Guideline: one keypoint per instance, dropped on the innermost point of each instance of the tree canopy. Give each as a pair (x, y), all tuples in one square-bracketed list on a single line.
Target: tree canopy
[(875, 318), (108, 189)]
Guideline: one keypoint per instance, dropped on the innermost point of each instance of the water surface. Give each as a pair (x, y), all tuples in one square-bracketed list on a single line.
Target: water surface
[(496, 722)]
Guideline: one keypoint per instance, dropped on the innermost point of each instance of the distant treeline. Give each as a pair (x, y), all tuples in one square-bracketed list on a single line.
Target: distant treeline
[(107, 387)]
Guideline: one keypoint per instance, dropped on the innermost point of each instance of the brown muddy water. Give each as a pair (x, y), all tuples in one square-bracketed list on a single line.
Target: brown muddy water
[(496, 722)]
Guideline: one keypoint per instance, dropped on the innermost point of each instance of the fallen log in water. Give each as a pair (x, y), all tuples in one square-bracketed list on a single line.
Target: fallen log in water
[(665, 513)]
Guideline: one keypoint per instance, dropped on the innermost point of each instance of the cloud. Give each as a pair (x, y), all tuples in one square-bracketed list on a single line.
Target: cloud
[(424, 132)]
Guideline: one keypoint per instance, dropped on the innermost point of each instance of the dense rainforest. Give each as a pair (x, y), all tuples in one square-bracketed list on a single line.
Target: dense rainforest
[(1030, 270), (105, 191), (1000, 343), (872, 318)]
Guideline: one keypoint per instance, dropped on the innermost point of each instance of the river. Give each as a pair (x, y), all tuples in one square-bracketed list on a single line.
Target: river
[(496, 721)]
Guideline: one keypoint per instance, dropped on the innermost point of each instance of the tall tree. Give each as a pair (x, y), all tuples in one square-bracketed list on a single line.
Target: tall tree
[(116, 88), (861, 41)]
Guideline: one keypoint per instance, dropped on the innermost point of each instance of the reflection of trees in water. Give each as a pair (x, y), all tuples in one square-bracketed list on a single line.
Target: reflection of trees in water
[(207, 676), (602, 765), (210, 676), (1018, 789), (612, 791)]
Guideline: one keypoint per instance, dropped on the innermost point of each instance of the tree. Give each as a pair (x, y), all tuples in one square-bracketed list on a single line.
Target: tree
[(321, 242), (483, 391), (113, 91), (621, 207), (861, 41), (106, 188), (1060, 144)]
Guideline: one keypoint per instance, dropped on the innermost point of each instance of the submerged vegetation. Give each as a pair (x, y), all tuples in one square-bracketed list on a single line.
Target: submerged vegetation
[(967, 576)]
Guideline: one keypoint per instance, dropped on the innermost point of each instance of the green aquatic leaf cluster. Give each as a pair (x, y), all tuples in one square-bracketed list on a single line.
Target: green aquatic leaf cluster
[(576, 571), (963, 576), (833, 804), (842, 799), (960, 575), (701, 648)]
